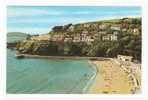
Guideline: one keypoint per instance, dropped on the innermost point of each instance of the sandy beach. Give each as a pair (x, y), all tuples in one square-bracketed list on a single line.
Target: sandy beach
[(110, 79)]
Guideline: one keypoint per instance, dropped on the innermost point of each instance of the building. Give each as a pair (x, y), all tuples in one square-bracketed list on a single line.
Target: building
[(83, 37), (102, 32), (125, 58), (86, 25), (102, 26), (115, 32), (135, 30), (124, 29), (71, 28), (95, 25), (57, 37), (66, 27), (95, 36), (84, 32), (105, 37), (113, 37), (115, 27), (77, 38), (110, 37), (68, 39), (89, 39)]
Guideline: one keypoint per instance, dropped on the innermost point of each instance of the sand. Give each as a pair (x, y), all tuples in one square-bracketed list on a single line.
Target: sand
[(110, 79)]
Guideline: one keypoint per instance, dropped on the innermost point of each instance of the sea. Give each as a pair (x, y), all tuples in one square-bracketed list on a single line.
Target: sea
[(45, 76), (34, 75)]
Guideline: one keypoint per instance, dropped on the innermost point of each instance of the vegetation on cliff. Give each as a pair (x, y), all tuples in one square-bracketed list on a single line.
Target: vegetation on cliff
[(102, 38)]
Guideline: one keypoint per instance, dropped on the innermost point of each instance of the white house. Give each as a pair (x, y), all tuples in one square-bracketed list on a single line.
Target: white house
[(135, 30), (113, 37), (105, 37), (102, 32), (76, 39), (68, 39), (84, 32), (115, 27), (115, 32), (71, 28), (124, 58)]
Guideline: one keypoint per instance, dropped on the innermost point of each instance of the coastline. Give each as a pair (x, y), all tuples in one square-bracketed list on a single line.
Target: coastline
[(111, 79), (92, 79), (60, 57)]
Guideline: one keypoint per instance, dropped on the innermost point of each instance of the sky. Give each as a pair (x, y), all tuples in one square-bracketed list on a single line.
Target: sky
[(41, 19)]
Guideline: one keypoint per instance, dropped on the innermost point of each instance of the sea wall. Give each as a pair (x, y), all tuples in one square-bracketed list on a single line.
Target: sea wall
[(61, 57)]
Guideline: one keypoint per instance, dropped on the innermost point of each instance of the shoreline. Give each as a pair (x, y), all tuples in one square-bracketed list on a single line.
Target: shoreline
[(92, 79), (60, 57), (111, 79)]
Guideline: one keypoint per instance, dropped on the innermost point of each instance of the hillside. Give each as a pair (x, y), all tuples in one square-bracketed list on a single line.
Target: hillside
[(100, 38), (15, 36)]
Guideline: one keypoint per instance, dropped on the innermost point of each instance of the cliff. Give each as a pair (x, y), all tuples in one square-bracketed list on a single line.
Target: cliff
[(100, 38)]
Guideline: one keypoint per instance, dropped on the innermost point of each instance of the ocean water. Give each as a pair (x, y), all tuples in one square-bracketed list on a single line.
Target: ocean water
[(30, 75)]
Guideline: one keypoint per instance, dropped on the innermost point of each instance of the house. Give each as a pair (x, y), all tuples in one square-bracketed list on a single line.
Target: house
[(103, 26), (68, 39), (115, 27), (124, 58), (95, 25), (95, 35), (60, 37), (77, 38), (113, 37), (89, 39), (105, 37), (87, 25), (57, 37), (102, 32), (135, 30), (124, 29), (71, 28), (115, 32), (84, 32), (83, 37), (66, 27)]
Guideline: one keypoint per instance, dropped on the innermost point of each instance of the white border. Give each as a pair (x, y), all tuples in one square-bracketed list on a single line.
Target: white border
[(3, 23), (74, 2)]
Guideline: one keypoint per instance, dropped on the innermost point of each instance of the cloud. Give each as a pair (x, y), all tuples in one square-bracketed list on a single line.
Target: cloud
[(22, 12)]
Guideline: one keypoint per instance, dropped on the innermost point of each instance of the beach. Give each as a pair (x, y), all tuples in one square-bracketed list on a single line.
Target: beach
[(110, 79)]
